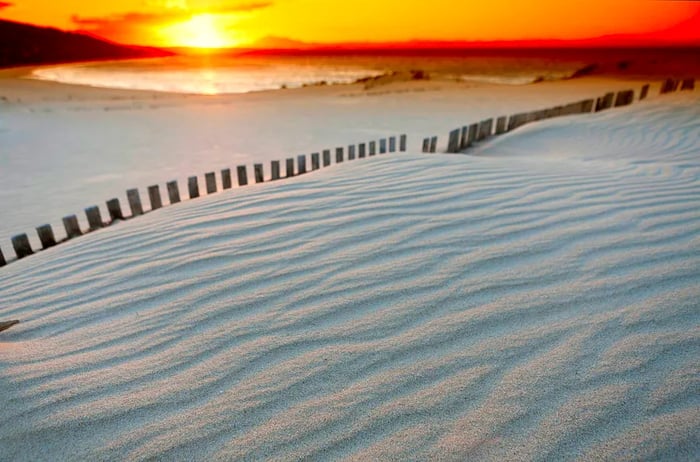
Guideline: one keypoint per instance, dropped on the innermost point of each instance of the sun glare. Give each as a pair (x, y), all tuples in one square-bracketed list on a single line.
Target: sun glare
[(200, 31)]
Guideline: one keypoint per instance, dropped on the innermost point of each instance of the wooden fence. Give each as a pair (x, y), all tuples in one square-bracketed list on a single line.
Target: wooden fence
[(466, 136), (23, 248)]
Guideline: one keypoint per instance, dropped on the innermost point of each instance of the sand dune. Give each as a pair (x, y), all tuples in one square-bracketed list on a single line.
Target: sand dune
[(534, 300), (68, 147)]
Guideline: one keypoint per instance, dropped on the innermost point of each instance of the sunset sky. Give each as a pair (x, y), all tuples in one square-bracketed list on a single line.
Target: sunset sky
[(220, 23)]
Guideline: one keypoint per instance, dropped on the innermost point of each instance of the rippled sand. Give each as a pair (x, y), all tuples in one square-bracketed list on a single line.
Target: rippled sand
[(537, 299)]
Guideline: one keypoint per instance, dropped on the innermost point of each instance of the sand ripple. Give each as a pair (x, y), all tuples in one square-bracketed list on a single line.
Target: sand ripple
[(537, 300)]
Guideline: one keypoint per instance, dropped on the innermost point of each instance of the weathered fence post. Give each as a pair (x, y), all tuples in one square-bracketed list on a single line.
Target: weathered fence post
[(372, 148), (501, 125), (115, 210), (463, 134), (226, 182), (134, 202), (193, 187), (433, 144), (473, 132), (392, 144), (154, 197), (382, 146), (21, 245), (485, 127), (644, 93), (667, 86), (351, 152), (338, 155), (70, 223), (361, 149), (624, 98), (301, 167), (688, 84), (605, 102), (2, 259), (453, 141), (315, 161), (402, 143), (210, 181), (326, 157), (46, 236), (275, 169), (289, 167), (94, 218), (173, 192), (259, 173), (242, 175), (426, 144)]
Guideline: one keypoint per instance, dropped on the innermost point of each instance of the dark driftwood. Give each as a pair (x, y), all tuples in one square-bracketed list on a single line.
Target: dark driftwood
[(4, 325)]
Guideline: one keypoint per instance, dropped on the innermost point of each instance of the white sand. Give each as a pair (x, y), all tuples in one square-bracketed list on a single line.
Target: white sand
[(536, 300), (66, 147)]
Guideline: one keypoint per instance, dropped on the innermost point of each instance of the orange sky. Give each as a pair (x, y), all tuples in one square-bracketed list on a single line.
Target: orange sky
[(213, 23)]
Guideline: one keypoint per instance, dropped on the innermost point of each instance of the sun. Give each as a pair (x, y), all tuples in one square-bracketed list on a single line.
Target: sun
[(200, 31)]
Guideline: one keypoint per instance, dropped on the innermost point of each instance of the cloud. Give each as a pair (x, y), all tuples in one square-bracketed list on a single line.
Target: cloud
[(137, 18), (4, 5), (126, 27)]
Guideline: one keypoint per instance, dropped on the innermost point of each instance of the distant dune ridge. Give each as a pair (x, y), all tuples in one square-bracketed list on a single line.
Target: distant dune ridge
[(534, 300), (24, 44)]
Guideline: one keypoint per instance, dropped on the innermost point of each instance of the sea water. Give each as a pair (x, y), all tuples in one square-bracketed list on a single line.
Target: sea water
[(221, 74)]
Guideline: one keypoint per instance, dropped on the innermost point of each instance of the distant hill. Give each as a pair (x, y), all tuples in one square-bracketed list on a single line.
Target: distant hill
[(24, 44)]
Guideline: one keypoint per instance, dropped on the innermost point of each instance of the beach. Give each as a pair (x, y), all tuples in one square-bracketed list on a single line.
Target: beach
[(69, 147), (535, 298)]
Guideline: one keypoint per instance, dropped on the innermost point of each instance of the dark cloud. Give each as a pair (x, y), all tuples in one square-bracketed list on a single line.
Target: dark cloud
[(126, 26), (136, 18), (5, 5)]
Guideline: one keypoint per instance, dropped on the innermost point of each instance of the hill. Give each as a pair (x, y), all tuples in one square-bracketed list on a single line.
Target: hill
[(24, 44)]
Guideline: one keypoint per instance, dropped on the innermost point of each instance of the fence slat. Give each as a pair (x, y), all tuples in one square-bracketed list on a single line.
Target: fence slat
[(173, 192), (193, 187), (382, 146), (70, 223), (134, 202), (259, 173), (315, 161), (289, 167), (624, 98), (361, 149), (426, 145), (351, 152), (275, 169), (210, 181), (338, 155), (433, 144), (501, 125), (392, 144), (326, 157), (226, 182), (644, 93), (372, 148), (242, 175), (46, 236), (453, 141), (94, 218), (115, 210), (21, 245), (154, 197), (2, 259)]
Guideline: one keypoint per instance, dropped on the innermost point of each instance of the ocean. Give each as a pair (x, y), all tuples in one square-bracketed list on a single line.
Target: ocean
[(224, 74)]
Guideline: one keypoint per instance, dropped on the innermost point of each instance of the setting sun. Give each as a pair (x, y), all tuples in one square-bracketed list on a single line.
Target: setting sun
[(200, 31)]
